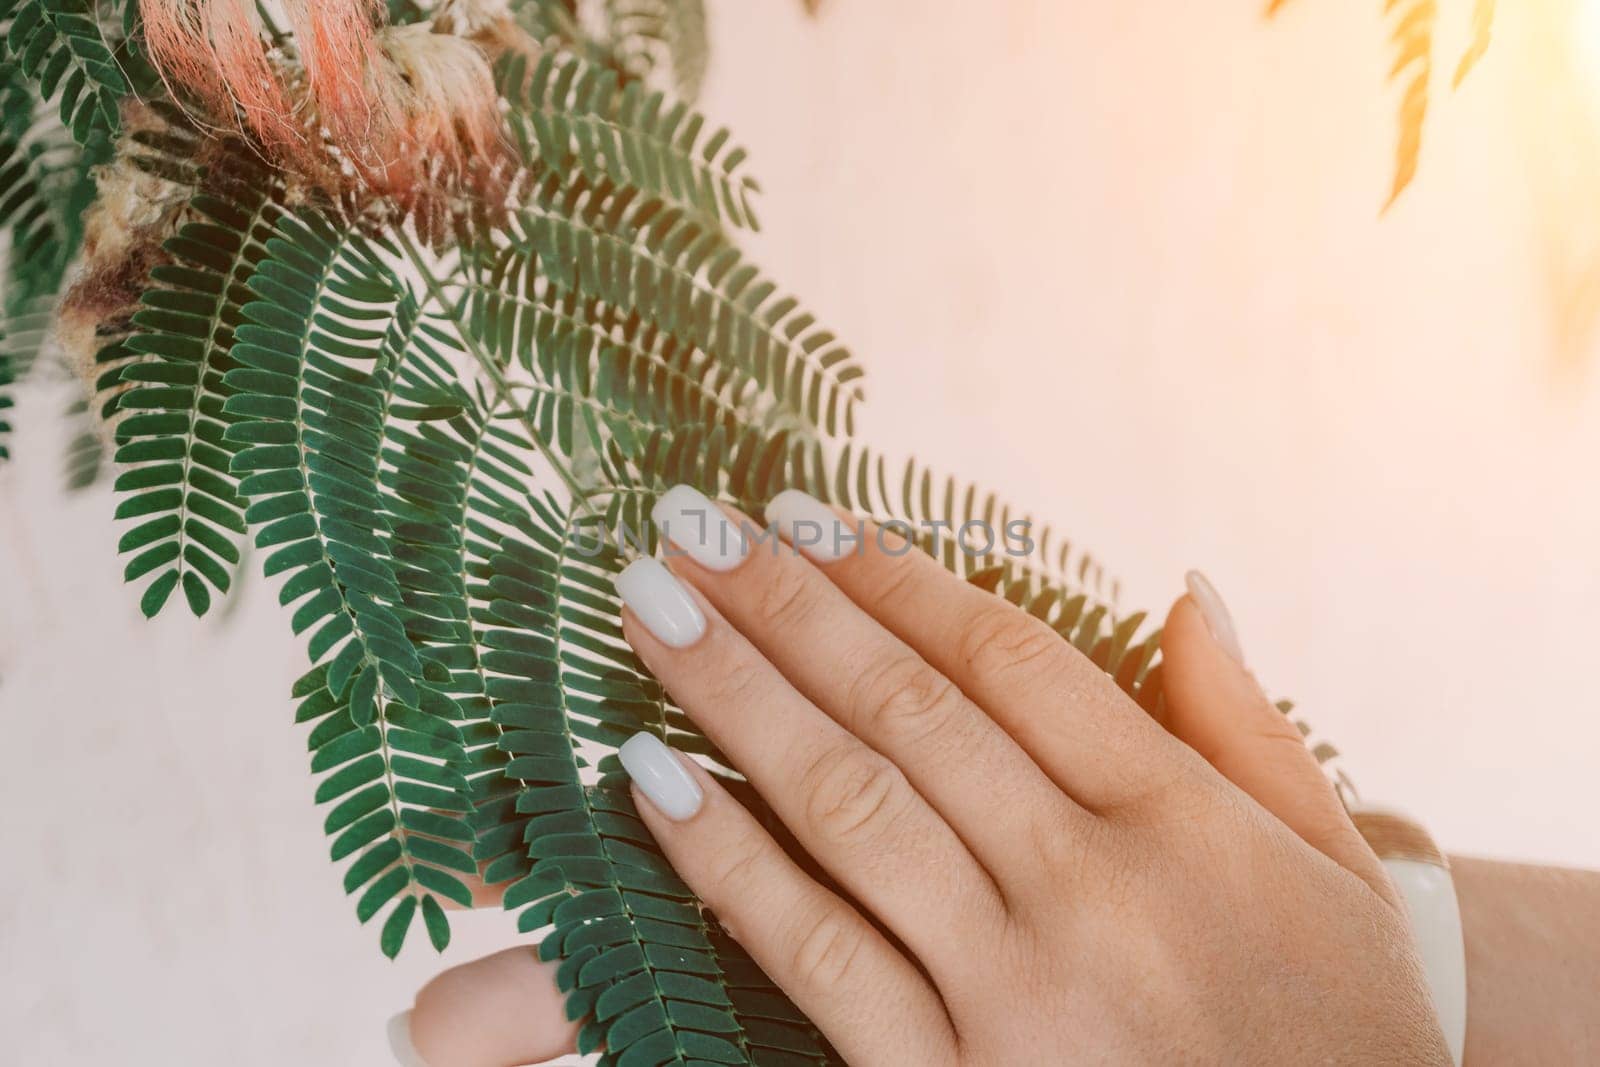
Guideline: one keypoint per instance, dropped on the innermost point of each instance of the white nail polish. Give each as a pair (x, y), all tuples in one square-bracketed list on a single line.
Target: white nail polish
[(405, 1053), (693, 522), (1218, 619), (812, 526), (661, 776), (661, 603)]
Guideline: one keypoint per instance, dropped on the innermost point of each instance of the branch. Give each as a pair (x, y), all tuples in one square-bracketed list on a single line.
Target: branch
[(492, 368)]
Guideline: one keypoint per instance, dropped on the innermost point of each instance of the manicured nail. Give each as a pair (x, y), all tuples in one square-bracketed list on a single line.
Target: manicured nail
[(693, 522), (405, 1053), (661, 776), (812, 526), (661, 602), (1218, 619)]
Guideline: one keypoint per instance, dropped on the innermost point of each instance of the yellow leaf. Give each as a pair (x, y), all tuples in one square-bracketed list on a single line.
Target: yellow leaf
[(1482, 24), (1413, 40)]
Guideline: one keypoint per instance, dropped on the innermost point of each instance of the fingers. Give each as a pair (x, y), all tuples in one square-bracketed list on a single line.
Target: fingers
[(858, 988), (1083, 731), (851, 808), (869, 681), (499, 1011), (1213, 704)]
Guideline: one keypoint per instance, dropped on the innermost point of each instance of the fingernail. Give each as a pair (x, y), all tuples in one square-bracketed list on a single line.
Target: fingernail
[(812, 526), (661, 603), (1218, 619), (400, 1042), (660, 775), (693, 522)]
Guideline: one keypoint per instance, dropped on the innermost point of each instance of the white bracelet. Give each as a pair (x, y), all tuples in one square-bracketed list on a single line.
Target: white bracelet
[(1422, 874)]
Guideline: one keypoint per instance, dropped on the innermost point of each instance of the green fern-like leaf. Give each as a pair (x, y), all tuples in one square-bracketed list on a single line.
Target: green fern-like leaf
[(595, 373), (312, 387), (459, 479), (405, 12), (86, 451), (46, 185), (550, 687), (647, 34), (689, 283), (22, 332), (8, 376), (572, 116), (62, 45), (172, 441), (306, 403)]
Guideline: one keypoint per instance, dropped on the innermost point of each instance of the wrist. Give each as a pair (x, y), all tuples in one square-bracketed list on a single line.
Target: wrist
[(1533, 961), (1422, 875)]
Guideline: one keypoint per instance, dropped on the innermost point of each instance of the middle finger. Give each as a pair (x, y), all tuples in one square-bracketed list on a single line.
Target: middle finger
[(849, 807)]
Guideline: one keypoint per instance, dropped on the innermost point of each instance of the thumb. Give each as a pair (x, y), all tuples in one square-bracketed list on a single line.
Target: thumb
[(498, 1011), (1215, 706)]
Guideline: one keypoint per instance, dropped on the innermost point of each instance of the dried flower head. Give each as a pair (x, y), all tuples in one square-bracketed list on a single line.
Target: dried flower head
[(407, 113), (334, 40), (217, 50), (438, 119)]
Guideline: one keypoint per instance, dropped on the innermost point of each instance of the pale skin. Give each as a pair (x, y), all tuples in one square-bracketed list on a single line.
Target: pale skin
[(1065, 879)]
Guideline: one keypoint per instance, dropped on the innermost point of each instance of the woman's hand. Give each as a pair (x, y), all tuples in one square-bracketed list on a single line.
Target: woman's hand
[(1030, 868), (1036, 872)]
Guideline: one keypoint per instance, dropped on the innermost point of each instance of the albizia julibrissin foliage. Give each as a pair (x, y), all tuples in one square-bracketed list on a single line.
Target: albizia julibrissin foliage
[(1412, 26), (418, 300)]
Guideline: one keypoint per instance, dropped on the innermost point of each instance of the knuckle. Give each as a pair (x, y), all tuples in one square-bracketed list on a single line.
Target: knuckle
[(895, 577), (1183, 797), (900, 694), (734, 872), (786, 596), (1276, 733), (1057, 841), (739, 683), (1001, 639), (827, 948), (1154, 789), (852, 793)]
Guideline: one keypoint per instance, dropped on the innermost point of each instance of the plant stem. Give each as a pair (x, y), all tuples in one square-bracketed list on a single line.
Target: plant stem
[(492, 368)]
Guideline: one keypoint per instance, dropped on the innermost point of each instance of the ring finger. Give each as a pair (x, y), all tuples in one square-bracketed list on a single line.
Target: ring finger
[(864, 995)]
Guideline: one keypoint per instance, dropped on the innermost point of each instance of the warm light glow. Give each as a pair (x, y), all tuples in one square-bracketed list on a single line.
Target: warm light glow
[(1586, 44)]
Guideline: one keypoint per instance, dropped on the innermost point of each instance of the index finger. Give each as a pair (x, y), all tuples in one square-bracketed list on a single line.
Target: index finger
[(1095, 743)]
